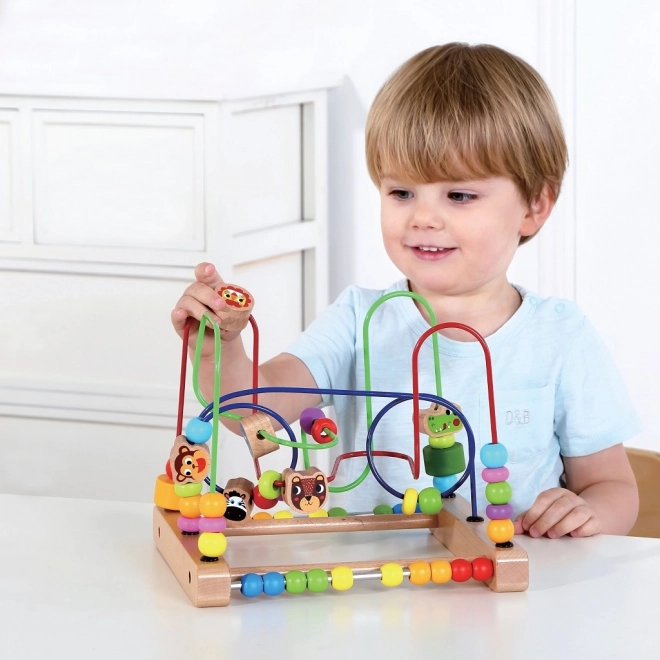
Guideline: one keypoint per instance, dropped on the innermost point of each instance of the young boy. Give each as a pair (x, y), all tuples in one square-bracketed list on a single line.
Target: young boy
[(466, 148)]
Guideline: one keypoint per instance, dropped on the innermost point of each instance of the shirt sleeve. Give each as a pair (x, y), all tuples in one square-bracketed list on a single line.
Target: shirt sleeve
[(327, 347), (593, 410)]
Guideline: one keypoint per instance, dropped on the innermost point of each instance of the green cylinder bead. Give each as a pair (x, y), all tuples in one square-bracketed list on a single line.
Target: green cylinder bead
[(266, 487), (337, 512), (430, 500), (444, 462), (317, 580), (296, 582), (499, 492), (188, 490), (383, 510)]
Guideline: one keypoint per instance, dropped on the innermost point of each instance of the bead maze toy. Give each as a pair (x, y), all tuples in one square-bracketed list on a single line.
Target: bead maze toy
[(191, 527)]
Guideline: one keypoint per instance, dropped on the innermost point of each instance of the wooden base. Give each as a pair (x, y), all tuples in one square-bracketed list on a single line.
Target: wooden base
[(209, 584)]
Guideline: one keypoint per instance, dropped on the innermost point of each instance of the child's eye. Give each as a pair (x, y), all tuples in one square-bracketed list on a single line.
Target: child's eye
[(462, 197), (401, 194)]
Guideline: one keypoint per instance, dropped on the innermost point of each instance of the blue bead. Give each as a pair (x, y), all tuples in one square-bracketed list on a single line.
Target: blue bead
[(397, 508), (273, 583), (251, 585), (443, 484), (494, 455), (198, 431)]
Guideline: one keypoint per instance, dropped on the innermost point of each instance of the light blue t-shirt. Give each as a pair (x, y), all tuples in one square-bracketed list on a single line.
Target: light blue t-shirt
[(557, 390)]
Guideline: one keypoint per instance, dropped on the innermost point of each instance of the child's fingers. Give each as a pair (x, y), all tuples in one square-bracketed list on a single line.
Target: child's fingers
[(517, 524), (574, 519), (589, 528), (207, 274), (189, 306), (542, 503)]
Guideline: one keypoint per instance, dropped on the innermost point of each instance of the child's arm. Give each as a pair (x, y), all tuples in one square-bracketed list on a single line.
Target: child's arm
[(284, 370), (601, 497)]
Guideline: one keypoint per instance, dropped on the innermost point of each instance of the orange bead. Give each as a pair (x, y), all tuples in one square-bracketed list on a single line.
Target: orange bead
[(440, 571), (420, 572), (262, 515), (164, 495), (500, 531), (189, 506), (213, 505)]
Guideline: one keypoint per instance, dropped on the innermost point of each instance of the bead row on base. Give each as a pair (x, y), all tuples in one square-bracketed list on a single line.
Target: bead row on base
[(342, 578), (500, 529)]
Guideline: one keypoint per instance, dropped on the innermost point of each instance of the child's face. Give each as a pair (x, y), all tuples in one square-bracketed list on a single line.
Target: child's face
[(454, 238)]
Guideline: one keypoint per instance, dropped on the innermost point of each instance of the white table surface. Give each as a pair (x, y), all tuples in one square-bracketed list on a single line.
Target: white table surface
[(83, 579)]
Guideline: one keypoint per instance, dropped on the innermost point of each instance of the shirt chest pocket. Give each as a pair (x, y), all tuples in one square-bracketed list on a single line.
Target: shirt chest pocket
[(525, 420)]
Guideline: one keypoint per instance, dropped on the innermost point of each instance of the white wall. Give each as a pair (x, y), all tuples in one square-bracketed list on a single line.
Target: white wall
[(207, 49)]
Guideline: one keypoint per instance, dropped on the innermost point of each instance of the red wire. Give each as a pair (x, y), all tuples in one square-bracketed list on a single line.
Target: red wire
[(255, 376), (415, 374), (182, 378), (358, 454)]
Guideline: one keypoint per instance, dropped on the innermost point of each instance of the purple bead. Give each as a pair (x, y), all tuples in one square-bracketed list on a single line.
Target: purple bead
[(308, 417), (499, 511), (494, 475), (212, 524), (190, 525)]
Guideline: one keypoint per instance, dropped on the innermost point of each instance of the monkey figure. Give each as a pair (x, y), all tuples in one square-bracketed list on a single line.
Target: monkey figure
[(239, 499), (189, 463), (306, 490)]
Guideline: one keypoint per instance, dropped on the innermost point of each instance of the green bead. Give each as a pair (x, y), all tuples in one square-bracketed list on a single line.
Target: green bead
[(296, 582), (188, 490), (443, 442), (337, 512), (499, 492), (317, 580), (383, 510), (266, 487), (444, 462), (430, 500)]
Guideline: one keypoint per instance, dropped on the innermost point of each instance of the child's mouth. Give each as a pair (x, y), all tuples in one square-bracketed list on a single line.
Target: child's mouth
[(428, 253)]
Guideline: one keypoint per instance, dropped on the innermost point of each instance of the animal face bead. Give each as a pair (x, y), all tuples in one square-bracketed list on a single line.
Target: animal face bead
[(235, 296), (239, 307), (238, 493), (437, 421), (189, 463), (305, 491)]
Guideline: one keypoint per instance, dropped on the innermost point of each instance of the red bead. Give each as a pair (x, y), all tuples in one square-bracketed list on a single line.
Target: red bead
[(461, 570), (482, 569), (318, 428), (260, 501), (168, 469)]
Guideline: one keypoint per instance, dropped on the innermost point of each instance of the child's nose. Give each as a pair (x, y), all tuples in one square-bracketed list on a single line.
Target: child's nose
[(427, 217)]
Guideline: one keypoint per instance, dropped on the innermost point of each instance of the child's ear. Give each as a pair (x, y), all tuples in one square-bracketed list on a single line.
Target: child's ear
[(538, 212)]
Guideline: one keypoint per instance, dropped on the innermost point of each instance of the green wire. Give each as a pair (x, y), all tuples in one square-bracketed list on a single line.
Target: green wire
[(300, 445), (367, 367)]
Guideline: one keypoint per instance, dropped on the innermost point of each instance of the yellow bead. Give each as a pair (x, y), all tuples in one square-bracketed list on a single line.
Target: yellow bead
[(500, 531), (319, 513), (262, 515), (443, 442), (213, 505), (409, 501), (342, 578), (212, 544), (283, 514), (391, 575), (189, 506), (164, 495), (440, 571), (420, 572)]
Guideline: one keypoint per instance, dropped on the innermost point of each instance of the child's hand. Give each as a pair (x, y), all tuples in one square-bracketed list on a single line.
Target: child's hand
[(557, 512), (198, 299)]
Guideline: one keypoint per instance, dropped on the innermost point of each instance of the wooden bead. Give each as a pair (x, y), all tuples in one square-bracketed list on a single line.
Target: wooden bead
[(189, 506), (438, 420), (212, 505), (337, 512), (188, 490), (238, 493), (500, 531), (319, 428), (296, 582), (494, 455), (250, 427), (317, 580), (164, 495), (278, 515), (239, 307), (308, 417), (211, 544), (273, 583), (420, 572), (391, 575), (262, 515), (189, 463), (499, 493), (342, 578), (383, 510), (305, 490), (261, 501), (444, 462), (461, 570), (430, 500), (266, 486), (440, 571), (319, 513), (252, 584), (442, 441), (409, 503), (482, 568), (188, 525)]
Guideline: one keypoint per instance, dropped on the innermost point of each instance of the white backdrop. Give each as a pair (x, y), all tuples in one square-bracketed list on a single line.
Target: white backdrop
[(604, 78)]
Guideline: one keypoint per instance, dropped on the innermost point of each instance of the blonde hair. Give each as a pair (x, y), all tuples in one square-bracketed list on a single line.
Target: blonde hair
[(458, 112)]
